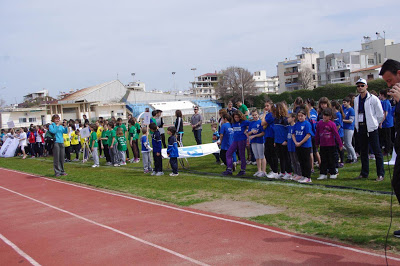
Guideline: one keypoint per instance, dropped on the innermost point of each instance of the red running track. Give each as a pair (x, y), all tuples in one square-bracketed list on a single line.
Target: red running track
[(50, 222)]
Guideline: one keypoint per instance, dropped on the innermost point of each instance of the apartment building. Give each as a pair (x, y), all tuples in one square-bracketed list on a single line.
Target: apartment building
[(265, 84), (293, 73), (204, 86)]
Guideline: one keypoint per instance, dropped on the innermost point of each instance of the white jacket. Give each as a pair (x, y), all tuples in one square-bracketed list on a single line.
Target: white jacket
[(373, 112)]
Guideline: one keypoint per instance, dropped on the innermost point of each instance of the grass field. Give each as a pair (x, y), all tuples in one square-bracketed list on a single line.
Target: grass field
[(347, 215)]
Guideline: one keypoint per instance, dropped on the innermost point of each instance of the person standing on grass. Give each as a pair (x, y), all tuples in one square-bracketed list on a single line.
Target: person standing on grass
[(94, 145), (256, 136), (172, 151), (196, 121), (225, 136), (112, 145), (326, 135), (132, 138), (292, 148), (390, 72), (179, 125), (58, 149), (385, 128), (121, 146), (240, 126), (146, 149), (21, 136), (302, 139), (160, 124), (156, 141), (348, 130), (368, 117), (267, 121), (105, 135)]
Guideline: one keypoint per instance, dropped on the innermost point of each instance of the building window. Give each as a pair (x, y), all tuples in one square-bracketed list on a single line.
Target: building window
[(32, 119), (313, 77), (370, 61), (22, 120), (379, 58), (370, 76), (313, 66)]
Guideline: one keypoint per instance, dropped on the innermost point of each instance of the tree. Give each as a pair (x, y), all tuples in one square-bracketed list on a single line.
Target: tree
[(235, 83), (306, 78)]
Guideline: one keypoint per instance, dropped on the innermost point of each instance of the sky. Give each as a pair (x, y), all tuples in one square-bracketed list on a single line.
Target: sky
[(74, 44)]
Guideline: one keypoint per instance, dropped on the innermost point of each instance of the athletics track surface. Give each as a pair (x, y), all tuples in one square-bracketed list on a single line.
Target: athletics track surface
[(45, 221)]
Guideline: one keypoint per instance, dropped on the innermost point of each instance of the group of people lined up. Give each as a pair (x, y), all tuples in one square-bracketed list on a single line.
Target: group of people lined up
[(306, 136)]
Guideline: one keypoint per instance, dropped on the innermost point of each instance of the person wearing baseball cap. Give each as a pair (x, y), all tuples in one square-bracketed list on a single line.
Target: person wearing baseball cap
[(368, 117)]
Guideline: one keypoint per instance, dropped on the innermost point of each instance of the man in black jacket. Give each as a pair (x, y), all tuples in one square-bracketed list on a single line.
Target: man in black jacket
[(390, 72)]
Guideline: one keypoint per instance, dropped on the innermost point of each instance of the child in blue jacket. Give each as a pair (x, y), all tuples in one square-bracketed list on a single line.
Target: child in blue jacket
[(172, 151)]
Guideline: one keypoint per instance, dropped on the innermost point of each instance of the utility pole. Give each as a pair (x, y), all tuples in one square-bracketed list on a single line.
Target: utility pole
[(194, 81)]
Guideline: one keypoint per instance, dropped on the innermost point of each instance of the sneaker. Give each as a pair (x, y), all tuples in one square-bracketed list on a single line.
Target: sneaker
[(153, 173), (272, 175), (116, 165), (95, 165), (297, 178), (32, 157), (132, 160), (146, 171), (76, 160), (254, 163), (396, 233), (305, 180), (159, 173), (256, 174), (108, 163), (172, 174), (123, 163), (349, 161), (333, 176), (24, 157), (341, 165), (234, 167), (371, 156), (222, 164), (137, 160), (261, 174), (287, 176), (360, 177), (248, 162), (380, 178), (241, 173), (279, 176), (322, 177), (64, 173), (227, 172), (354, 161)]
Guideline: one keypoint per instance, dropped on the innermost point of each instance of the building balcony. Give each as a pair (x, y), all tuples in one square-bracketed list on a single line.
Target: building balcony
[(291, 84), (340, 80), (340, 67), (291, 73), (292, 62)]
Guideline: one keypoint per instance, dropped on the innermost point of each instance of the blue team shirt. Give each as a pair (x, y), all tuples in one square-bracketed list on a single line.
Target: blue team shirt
[(300, 130), (339, 123), (227, 139), (387, 107), (238, 130), (269, 131), (156, 141), (257, 126), (280, 130), (172, 149), (290, 143), (143, 140), (349, 113), (216, 134), (313, 120)]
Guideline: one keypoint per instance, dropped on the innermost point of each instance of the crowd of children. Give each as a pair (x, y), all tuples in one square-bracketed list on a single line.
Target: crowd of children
[(290, 141)]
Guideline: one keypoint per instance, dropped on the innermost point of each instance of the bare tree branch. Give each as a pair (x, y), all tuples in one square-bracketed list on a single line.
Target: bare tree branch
[(232, 80), (306, 78)]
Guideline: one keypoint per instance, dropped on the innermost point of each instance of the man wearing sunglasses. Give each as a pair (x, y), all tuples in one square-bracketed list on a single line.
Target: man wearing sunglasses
[(368, 116)]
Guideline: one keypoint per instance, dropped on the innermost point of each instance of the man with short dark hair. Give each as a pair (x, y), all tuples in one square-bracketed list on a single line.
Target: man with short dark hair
[(390, 72), (368, 117), (243, 108), (196, 121)]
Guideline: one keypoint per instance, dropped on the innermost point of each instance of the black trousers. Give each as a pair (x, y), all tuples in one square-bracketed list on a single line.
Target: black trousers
[(270, 154), (68, 153), (385, 139), (163, 140), (107, 153), (157, 162), (75, 149), (303, 154), (174, 165), (328, 162), (284, 159), (396, 178), (222, 156)]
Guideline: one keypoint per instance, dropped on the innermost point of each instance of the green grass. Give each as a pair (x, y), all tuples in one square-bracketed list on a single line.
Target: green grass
[(350, 216)]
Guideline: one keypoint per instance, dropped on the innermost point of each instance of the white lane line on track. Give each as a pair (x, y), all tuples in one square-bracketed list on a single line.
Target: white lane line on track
[(109, 228), (19, 251), (213, 217)]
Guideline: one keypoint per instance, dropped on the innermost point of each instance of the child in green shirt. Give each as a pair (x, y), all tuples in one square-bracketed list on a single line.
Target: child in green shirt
[(93, 145), (133, 140), (121, 140)]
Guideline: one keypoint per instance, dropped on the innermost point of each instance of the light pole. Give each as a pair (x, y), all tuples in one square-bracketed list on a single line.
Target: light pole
[(384, 42), (194, 81), (173, 77)]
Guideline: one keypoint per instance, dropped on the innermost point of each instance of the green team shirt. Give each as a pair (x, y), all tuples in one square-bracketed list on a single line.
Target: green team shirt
[(137, 125), (132, 133), (121, 143), (105, 135), (123, 128), (113, 133), (244, 109), (93, 136)]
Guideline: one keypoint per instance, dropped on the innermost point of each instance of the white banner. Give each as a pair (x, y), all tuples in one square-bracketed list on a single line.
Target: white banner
[(9, 147), (146, 118), (85, 132), (194, 151)]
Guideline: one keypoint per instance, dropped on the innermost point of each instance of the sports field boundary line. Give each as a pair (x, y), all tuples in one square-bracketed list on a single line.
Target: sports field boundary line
[(19, 251), (212, 216), (108, 227)]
